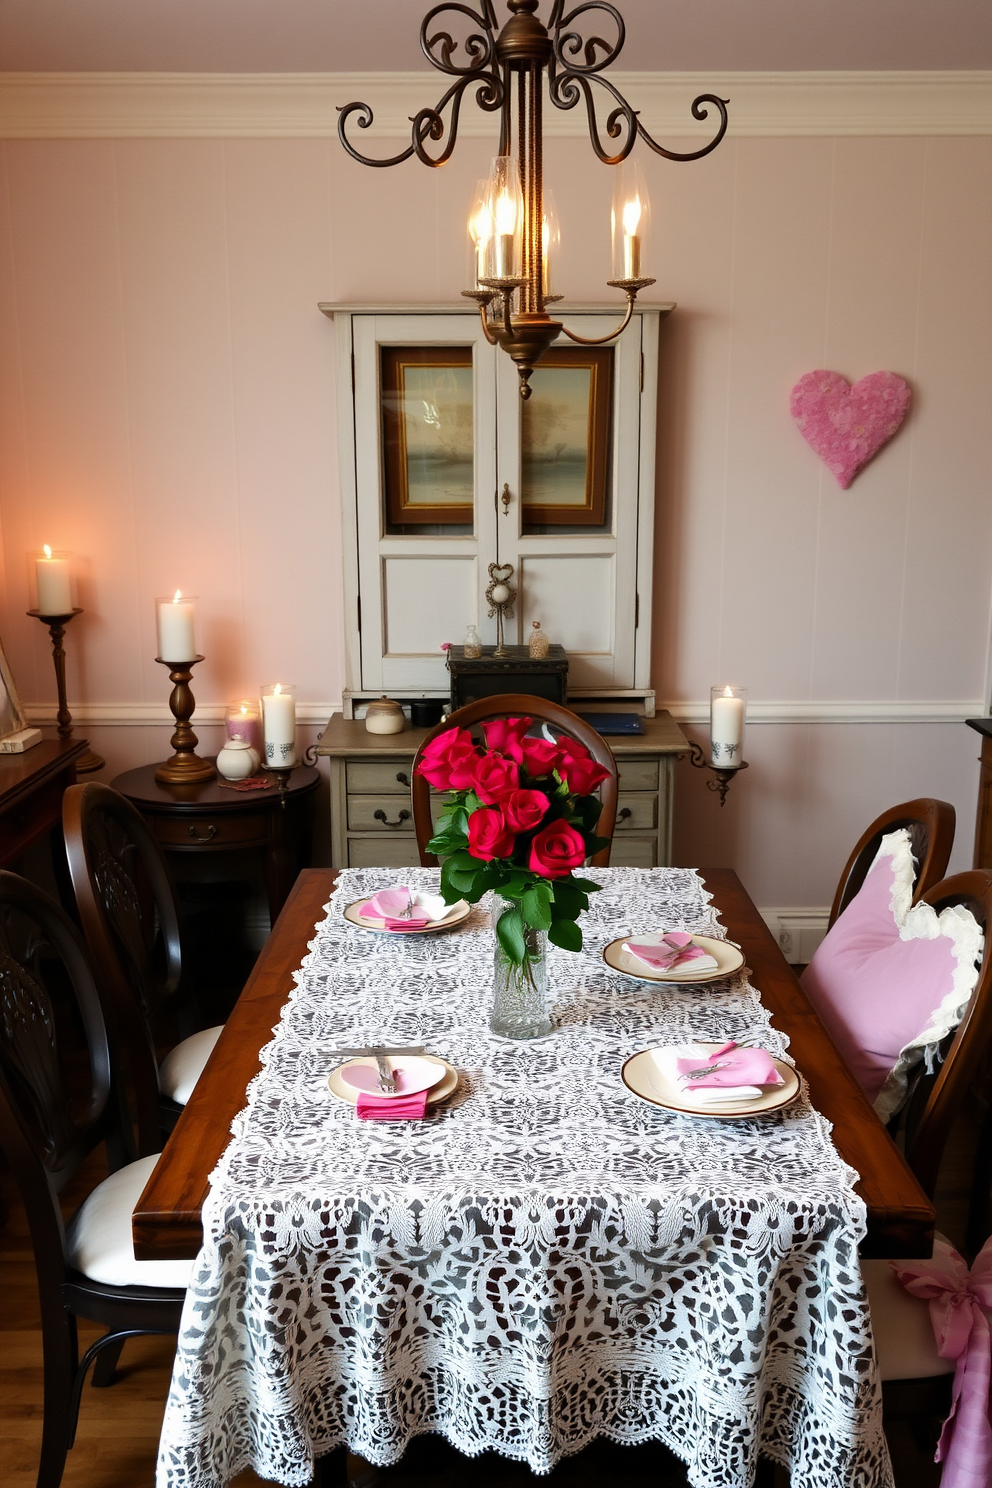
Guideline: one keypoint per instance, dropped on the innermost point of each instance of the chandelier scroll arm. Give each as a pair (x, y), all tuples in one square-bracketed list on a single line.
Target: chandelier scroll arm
[(568, 86), (481, 49), (428, 123), (572, 43), (612, 335), (699, 111)]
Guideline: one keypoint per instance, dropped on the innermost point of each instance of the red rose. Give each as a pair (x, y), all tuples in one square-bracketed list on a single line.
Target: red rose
[(556, 850), (494, 778), (449, 761), (539, 756), (571, 746), (523, 810), (488, 834), (582, 775), (505, 734)]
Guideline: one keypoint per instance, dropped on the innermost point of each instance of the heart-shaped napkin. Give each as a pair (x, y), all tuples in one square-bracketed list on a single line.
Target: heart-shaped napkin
[(847, 425), (671, 951)]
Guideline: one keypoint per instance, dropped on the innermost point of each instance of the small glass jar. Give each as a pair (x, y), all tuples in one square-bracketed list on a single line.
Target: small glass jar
[(537, 643), (473, 646)]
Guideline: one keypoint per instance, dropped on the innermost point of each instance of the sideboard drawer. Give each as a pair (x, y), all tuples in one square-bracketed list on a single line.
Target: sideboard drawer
[(211, 831), (638, 774), (378, 852), (637, 811), (377, 814), (379, 776), (634, 852)]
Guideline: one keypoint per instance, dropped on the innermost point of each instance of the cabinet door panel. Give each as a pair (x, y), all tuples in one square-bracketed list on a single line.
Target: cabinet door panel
[(577, 591), (422, 598)]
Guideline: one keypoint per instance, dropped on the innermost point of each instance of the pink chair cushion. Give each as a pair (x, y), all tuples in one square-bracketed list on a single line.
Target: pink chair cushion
[(890, 981)]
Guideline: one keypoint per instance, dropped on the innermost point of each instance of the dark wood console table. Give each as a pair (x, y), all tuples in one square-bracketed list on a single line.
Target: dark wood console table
[(207, 816), (31, 789)]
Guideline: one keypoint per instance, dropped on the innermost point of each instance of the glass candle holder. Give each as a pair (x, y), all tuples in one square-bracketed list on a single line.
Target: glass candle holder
[(728, 708), (279, 725), (50, 570), (242, 721)]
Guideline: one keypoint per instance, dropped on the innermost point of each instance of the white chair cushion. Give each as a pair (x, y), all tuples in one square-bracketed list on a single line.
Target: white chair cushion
[(183, 1065), (99, 1236), (904, 1341)]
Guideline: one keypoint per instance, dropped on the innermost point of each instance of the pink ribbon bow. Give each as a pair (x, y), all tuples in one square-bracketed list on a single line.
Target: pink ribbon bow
[(959, 1304)]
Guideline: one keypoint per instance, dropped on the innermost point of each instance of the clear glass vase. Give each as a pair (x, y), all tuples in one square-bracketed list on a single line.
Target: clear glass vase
[(520, 993)]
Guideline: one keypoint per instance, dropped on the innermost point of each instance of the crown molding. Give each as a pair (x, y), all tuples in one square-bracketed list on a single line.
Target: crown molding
[(154, 105), (144, 715)]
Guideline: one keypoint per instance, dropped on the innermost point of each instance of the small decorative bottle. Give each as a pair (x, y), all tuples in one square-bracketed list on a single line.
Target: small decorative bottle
[(538, 644), (473, 646)]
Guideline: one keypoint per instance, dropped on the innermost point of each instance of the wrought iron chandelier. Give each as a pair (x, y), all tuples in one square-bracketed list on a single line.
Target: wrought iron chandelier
[(512, 222)]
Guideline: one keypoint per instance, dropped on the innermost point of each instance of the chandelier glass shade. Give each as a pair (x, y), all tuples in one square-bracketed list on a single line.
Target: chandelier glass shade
[(512, 225)]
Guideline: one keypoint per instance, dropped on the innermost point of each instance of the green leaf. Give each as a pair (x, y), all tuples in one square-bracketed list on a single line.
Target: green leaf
[(461, 878), (566, 933), (536, 906), (569, 901), (586, 884), (510, 931)]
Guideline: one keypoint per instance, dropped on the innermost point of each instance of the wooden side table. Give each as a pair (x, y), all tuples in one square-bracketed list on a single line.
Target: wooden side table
[(372, 820), (207, 816)]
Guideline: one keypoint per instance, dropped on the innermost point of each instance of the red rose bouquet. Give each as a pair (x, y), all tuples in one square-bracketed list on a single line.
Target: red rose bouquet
[(519, 817)]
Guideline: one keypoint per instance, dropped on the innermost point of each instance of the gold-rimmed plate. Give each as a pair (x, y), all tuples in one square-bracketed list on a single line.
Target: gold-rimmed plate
[(439, 1092), (457, 913), (729, 958), (649, 1082)]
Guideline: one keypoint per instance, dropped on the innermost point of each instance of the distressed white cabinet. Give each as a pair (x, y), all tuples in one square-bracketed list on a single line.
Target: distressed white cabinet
[(416, 574)]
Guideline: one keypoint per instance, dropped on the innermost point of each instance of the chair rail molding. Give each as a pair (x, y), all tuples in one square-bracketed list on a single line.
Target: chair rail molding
[(87, 105), (139, 715)]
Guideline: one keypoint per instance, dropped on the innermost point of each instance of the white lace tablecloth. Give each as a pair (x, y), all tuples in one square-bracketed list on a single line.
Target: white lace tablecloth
[(546, 1259)]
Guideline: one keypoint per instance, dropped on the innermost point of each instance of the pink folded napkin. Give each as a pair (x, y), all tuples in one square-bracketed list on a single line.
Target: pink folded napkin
[(390, 904), (670, 952), (392, 1108), (729, 1067)]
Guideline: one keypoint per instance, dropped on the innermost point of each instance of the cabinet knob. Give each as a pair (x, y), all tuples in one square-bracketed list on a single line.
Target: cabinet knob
[(381, 816), (623, 815), (505, 499), (402, 777)]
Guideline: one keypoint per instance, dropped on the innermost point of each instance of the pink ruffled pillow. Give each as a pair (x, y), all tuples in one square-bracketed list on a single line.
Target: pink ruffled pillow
[(890, 982)]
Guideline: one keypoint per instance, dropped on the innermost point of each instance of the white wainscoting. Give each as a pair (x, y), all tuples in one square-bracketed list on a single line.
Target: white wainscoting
[(798, 932)]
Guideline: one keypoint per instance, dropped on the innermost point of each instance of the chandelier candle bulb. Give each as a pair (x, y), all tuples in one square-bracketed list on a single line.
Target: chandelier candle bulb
[(177, 627), (631, 241), (279, 725), (728, 706), (53, 574)]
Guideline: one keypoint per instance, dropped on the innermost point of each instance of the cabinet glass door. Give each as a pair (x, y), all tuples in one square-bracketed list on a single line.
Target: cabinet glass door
[(568, 460), (425, 457)]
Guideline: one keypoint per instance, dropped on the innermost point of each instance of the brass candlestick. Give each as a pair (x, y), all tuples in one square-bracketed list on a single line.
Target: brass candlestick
[(282, 774), (185, 767), (89, 761), (721, 782)]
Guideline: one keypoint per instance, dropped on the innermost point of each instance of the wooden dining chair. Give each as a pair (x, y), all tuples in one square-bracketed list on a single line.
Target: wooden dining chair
[(931, 831), (915, 1381), (516, 705), (57, 1104), (130, 919)]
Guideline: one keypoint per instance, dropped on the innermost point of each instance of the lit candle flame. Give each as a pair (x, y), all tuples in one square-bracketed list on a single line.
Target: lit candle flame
[(506, 214), (728, 692), (631, 216), (277, 689), (48, 551), (481, 226), (244, 710), (177, 596)]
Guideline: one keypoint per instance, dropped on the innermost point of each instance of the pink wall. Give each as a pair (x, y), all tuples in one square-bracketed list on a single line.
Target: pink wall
[(167, 412)]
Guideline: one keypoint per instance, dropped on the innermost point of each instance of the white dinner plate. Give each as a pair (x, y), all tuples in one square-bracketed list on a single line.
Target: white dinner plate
[(650, 1083), (439, 1092), (457, 912), (728, 957), (415, 1074)]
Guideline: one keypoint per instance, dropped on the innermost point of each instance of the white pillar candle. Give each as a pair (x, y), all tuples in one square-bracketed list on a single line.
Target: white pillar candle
[(177, 628), (727, 705), (54, 583), (279, 725)]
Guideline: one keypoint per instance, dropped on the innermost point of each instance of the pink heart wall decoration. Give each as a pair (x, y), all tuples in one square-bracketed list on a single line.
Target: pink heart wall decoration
[(846, 425)]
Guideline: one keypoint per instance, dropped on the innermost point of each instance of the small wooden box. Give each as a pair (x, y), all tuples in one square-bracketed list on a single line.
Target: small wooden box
[(489, 675)]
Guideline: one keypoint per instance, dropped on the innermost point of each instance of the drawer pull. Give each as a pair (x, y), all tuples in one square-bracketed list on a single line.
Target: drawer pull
[(623, 815), (211, 834), (403, 778), (381, 816)]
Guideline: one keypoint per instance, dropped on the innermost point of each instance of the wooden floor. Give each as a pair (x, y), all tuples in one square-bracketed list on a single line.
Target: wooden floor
[(118, 1427)]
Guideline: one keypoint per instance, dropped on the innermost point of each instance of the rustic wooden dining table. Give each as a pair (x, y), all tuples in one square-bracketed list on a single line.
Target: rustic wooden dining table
[(166, 1221)]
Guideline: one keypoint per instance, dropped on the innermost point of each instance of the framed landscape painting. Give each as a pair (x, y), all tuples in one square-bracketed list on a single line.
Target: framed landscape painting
[(565, 436), (427, 434)]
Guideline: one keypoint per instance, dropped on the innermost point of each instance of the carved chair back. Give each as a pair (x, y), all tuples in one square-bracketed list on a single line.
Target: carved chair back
[(515, 705), (57, 1100), (937, 1097), (128, 912), (931, 831)]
